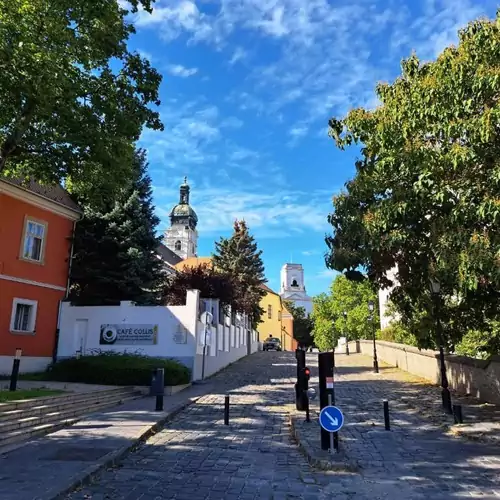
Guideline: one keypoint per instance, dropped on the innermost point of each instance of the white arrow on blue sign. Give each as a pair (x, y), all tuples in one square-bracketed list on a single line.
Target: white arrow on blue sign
[(331, 419)]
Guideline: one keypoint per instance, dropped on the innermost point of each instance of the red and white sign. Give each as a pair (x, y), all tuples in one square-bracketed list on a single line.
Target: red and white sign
[(329, 382)]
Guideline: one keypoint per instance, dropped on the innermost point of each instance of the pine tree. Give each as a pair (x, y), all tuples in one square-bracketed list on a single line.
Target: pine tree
[(115, 250), (240, 257)]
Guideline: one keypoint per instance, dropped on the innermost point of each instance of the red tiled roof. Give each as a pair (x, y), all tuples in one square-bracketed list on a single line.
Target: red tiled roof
[(52, 192)]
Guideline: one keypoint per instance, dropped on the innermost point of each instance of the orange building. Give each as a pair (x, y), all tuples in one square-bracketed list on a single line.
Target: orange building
[(36, 228)]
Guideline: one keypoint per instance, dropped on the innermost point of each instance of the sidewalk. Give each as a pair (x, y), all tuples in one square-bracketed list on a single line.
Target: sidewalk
[(419, 449), (56, 463)]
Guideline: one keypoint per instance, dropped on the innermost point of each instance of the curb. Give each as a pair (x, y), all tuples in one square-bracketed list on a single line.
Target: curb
[(343, 465), (113, 458)]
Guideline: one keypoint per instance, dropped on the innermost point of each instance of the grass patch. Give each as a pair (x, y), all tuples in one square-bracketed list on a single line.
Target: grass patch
[(6, 396), (112, 368)]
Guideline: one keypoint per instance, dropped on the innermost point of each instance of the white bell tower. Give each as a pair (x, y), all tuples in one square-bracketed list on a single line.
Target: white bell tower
[(182, 236), (293, 287)]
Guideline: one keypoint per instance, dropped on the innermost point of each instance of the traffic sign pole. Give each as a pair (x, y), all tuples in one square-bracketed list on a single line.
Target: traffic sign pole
[(325, 365), (332, 444)]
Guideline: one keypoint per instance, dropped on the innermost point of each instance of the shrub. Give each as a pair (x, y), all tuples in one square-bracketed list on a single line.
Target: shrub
[(111, 368), (396, 332)]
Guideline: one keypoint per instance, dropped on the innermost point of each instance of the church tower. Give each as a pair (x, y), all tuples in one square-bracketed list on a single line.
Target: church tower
[(293, 286), (182, 236)]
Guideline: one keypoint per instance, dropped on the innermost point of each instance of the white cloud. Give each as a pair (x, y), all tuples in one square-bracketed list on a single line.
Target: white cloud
[(238, 55), (269, 214), (308, 253), (146, 55), (182, 71), (190, 135), (322, 61), (327, 274), (232, 122)]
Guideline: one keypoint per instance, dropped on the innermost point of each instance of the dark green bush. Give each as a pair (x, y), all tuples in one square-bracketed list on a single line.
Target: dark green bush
[(111, 368)]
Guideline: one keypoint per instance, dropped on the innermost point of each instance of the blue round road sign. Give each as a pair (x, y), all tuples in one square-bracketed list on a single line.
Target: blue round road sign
[(331, 419)]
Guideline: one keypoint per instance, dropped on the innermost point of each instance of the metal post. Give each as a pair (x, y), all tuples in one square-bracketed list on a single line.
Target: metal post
[(325, 365), (160, 373), (204, 354), (299, 386), (457, 414), (445, 391), (226, 410), (346, 334), (15, 369), (387, 421), (375, 360)]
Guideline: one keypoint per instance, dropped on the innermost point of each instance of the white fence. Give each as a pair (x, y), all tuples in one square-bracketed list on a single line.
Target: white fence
[(161, 331)]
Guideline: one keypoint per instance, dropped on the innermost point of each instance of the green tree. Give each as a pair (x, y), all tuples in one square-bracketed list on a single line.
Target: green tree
[(351, 297), (240, 257), (302, 325), (211, 283), (74, 99), (426, 194), (115, 252)]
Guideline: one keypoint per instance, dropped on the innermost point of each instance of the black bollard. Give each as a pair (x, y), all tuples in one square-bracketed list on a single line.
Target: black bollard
[(15, 370), (457, 414), (159, 402), (387, 421), (326, 393), (158, 387), (300, 355), (226, 410)]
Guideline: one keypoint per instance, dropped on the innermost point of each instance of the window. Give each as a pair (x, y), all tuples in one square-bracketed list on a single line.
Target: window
[(279, 315), (23, 316), (294, 283), (34, 240), (269, 311), (178, 245)]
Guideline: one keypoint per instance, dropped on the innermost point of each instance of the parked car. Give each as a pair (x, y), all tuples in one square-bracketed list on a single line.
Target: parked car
[(272, 344)]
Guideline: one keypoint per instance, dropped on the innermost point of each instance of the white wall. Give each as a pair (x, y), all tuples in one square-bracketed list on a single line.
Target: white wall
[(226, 344), (81, 326), (29, 364), (168, 318)]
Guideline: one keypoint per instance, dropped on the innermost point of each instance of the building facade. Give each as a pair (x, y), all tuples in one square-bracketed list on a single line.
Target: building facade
[(293, 286), (182, 237), (277, 322), (36, 228)]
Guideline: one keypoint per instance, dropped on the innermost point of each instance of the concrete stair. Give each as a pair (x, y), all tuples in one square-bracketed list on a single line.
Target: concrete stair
[(22, 420)]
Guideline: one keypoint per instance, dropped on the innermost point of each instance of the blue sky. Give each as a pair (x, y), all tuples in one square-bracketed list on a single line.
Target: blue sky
[(248, 88)]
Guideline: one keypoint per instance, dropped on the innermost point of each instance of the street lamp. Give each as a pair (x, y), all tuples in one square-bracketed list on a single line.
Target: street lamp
[(371, 308), (435, 287), (346, 334)]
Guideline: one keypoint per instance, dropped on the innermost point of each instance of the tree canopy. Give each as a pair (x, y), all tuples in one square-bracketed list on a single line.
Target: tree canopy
[(351, 297), (74, 99), (115, 252), (211, 283), (240, 257), (302, 324), (426, 195)]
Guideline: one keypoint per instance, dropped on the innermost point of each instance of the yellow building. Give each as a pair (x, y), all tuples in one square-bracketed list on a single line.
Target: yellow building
[(277, 321)]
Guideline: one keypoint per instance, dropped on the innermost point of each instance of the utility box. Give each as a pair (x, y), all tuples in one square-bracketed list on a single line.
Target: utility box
[(157, 382)]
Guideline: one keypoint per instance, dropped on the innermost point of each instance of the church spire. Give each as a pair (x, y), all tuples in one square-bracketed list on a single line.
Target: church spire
[(184, 192)]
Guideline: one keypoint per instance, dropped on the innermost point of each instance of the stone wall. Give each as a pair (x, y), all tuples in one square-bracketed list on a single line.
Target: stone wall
[(480, 378)]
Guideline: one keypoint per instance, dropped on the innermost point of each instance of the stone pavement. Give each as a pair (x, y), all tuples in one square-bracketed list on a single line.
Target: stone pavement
[(44, 467), (196, 457), (417, 450)]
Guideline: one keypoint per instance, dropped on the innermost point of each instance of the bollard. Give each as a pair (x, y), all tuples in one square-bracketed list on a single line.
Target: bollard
[(386, 416), (326, 362), (15, 370), (159, 402), (226, 410), (457, 414), (158, 387)]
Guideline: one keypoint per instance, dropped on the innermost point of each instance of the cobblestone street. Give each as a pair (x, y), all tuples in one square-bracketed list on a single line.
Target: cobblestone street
[(196, 457)]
